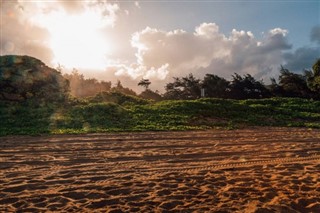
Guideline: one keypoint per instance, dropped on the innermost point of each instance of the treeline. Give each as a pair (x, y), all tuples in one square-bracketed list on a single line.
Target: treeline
[(24, 78), (289, 84), (82, 88)]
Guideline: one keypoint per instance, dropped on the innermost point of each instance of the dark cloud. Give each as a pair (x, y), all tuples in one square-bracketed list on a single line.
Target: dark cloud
[(302, 58), (315, 34), (275, 42)]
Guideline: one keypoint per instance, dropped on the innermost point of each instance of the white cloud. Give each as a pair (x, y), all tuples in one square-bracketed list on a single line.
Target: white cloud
[(137, 71), (206, 50), (207, 30), (137, 4), (277, 31)]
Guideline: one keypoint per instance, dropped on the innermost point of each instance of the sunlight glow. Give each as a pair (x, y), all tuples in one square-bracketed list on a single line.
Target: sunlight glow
[(76, 39)]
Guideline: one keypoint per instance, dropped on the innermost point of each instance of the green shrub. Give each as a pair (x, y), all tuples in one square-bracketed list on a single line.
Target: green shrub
[(81, 116)]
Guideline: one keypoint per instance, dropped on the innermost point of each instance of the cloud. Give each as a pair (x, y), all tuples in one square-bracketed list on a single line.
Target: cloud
[(137, 71), (13, 26), (206, 50), (159, 54), (315, 34), (301, 59), (28, 27), (137, 4), (304, 57), (275, 40)]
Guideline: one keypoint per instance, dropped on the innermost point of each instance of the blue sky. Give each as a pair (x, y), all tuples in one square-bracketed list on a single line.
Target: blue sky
[(130, 40), (255, 16)]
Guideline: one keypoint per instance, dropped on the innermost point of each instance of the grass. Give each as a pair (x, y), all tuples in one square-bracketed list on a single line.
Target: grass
[(92, 116)]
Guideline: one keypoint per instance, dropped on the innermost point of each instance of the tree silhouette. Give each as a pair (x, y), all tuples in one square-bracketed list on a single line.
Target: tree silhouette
[(294, 85), (247, 87), (215, 86), (187, 87), (144, 83)]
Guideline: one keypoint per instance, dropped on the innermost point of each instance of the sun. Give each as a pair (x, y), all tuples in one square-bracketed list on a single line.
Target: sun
[(76, 40)]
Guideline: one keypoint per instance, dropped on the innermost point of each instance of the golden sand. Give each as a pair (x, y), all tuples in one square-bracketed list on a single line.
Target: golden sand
[(247, 170)]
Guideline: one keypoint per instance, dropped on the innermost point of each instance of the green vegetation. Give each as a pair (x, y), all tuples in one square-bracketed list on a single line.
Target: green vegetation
[(35, 99), (85, 116), (23, 78)]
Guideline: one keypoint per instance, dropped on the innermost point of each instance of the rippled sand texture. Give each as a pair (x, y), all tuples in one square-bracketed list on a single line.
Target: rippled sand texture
[(250, 170)]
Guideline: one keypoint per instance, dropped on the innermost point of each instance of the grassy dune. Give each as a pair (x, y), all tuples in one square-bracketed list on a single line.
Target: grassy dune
[(90, 116)]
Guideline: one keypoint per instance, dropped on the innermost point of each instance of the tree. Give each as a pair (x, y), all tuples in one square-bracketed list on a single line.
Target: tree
[(247, 87), (119, 88), (316, 68), (144, 83), (27, 78), (313, 77), (294, 85), (187, 87), (275, 89), (81, 87), (215, 86)]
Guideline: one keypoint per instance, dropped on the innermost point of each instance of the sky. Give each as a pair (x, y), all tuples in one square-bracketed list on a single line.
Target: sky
[(159, 40)]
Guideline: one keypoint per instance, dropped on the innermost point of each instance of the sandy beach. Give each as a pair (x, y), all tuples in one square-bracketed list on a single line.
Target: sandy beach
[(245, 170)]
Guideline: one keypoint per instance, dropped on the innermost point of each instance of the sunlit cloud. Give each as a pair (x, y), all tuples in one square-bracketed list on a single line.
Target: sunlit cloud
[(93, 36), (165, 54), (74, 30)]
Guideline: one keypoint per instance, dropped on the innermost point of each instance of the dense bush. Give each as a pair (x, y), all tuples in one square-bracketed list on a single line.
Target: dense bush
[(84, 116), (24, 78), (116, 97)]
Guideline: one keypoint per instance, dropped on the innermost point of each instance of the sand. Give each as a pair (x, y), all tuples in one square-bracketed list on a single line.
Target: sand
[(247, 170)]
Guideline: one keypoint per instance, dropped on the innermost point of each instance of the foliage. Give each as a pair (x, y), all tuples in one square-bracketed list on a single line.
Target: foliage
[(84, 116), (24, 118), (94, 115), (81, 87), (313, 77), (121, 89), (294, 85), (144, 83), (246, 87), (215, 86), (25, 78), (34, 100), (183, 88), (151, 95), (116, 97)]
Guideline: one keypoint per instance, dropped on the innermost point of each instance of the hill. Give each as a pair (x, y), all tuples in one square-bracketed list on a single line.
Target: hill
[(24, 78)]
